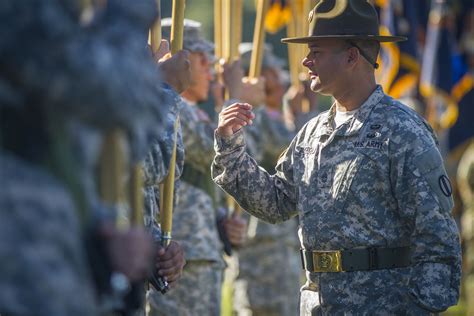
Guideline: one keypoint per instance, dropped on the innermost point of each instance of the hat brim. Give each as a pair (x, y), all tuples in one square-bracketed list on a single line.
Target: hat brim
[(310, 39)]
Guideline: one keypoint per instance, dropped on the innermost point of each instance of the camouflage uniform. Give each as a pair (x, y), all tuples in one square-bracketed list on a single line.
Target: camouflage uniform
[(261, 288), (47, 75), (194, 220), (45, 272), (466, 187), (157, 163), (381, 166), (194, 225), (156, 168)]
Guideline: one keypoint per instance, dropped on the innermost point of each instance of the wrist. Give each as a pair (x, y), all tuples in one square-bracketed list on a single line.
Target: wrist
[(224, 132)]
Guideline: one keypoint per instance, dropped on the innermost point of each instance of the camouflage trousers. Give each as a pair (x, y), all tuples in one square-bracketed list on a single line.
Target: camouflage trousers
[(310, 305), (269, 280), (198, 292)]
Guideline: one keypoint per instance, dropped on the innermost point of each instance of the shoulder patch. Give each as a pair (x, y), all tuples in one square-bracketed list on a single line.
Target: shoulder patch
[(431, 168)]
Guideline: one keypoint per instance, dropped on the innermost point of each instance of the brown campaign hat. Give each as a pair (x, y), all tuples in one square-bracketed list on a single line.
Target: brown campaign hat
[(344, 19)]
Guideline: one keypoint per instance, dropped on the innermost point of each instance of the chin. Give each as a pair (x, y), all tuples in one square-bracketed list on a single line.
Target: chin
[(315, 86)]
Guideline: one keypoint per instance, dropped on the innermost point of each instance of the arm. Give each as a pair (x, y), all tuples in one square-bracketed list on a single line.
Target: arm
[(424, 196), (271, 198)]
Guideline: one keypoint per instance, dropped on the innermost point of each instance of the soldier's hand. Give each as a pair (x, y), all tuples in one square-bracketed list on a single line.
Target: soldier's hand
[(253, 91), (233, 118), (163, 51), (130, 252), (170, 262), (236, 229), (233, 74), (176, 70)]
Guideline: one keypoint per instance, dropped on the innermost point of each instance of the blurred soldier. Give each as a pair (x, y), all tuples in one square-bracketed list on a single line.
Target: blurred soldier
[(261, 288), (194, 219), (54, 96), (365, 177)]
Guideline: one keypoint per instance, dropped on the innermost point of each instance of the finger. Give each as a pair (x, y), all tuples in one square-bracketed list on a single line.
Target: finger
[(169, 272), (235, 122), (245, 106), (166, 264), (245, 112), (163, 50), (174, 277), (241, 116), (245, 115)]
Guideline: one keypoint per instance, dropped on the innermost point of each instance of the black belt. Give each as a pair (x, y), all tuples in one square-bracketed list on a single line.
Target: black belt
[(355, 259)]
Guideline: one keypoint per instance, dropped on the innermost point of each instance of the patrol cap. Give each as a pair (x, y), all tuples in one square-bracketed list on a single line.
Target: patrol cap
[(269, 58), (193, 40), (343, 19)]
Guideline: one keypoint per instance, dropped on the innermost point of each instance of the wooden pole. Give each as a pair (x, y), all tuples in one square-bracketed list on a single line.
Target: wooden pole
[(258, 40), (166, 213), (155, 31), (177, 26), (112, 167)]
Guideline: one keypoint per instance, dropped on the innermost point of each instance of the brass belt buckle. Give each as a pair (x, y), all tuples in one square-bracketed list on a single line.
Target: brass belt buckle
[(327, 261)]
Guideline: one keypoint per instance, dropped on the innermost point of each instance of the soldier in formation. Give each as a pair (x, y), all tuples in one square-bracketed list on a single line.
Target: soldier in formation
[(56, 102), (195, 216), (261, 288)]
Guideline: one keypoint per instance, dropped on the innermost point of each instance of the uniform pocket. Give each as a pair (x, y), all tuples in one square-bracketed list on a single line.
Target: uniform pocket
[(343, 177)]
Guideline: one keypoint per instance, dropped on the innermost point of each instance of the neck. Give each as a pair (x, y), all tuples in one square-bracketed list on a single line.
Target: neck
[(350, 98), (190, 97)]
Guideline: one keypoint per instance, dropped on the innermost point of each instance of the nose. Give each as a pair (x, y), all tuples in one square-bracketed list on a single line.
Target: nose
[(307, 62)]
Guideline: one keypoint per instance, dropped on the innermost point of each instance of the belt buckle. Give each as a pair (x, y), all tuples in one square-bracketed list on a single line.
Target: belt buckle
[(327, 261)]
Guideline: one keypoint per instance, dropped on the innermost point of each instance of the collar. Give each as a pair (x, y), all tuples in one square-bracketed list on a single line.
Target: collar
[(353, 125)]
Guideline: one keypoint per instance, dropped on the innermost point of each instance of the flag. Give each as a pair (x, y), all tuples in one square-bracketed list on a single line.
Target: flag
[(437, 74), (278, 16), (389, 56), (463, 128), (406, 24)]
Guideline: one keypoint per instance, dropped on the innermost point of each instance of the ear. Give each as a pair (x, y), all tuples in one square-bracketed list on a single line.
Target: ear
[(353, 56)]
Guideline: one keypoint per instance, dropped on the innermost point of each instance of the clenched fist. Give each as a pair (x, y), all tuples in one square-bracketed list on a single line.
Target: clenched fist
[(233, 118)]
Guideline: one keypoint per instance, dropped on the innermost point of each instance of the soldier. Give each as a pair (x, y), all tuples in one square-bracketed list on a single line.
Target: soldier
[(261, 288), (176, 73), (366, 179), (51, 91), (194, 219)]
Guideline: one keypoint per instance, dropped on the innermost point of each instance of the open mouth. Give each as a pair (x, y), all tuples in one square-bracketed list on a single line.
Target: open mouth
[(313, 75)]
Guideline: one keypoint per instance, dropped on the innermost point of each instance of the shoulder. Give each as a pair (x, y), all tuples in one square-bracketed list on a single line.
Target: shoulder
[(408, 130)]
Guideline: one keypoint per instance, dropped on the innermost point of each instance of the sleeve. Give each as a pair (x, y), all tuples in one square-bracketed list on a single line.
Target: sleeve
[(424, 195), (156, 168), (270, 198)]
